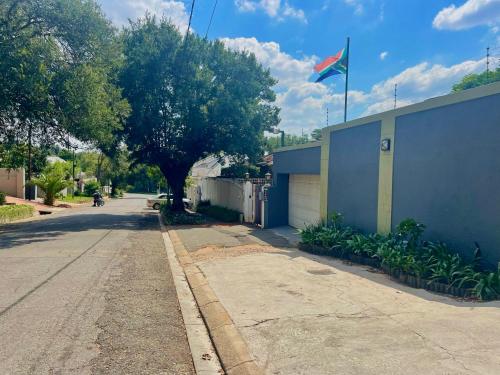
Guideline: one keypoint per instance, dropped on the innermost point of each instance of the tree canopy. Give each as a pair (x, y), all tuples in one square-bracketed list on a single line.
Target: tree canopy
[(475, 80), (58, 67), (191, 97)]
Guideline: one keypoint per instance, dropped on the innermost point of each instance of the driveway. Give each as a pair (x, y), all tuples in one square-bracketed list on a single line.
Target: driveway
[(303, 314), (90, 292)]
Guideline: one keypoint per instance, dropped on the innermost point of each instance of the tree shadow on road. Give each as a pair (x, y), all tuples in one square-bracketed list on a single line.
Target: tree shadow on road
[(20, 234)]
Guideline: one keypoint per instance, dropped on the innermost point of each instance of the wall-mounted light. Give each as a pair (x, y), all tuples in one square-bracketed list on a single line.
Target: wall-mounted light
[(385, 144), (268, 176)]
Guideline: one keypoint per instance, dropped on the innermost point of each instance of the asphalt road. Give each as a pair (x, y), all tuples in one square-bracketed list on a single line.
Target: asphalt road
[(90, 292)]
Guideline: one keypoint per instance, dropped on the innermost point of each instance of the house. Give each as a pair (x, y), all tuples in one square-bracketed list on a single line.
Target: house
[(435, 161)]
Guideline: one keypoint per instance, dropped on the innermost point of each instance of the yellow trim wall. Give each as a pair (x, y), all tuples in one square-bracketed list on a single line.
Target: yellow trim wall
[(386, 158)]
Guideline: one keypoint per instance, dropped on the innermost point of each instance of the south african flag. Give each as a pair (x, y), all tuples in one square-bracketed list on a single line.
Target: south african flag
[(332, 65)]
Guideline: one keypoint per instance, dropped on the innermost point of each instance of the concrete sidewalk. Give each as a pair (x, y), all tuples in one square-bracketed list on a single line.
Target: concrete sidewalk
[(302, 314)]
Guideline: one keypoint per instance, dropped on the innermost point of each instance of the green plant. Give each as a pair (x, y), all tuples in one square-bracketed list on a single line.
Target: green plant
[(17, 212), (204, 203), (488, 286), (91, 187), (52, 181), (220, 213), (2, 198), (410, 231), (171, 217)]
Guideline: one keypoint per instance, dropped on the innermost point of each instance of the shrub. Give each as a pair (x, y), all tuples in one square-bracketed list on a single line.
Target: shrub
[(404, 251), (171, 217), (204, 203), (2, 198), (53, 179), (17, 212), (219, 213), (91, 187)]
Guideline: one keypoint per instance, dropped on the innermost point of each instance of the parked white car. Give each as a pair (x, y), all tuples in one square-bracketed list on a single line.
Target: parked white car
[(156, 202)]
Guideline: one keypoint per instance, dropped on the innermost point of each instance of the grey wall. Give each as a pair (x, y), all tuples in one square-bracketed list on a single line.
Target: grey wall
[(276, 213), (353, 175), (447, 174), (301, 161)]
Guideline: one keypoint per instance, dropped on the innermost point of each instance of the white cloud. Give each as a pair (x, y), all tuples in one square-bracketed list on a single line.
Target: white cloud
[(472, 13), (383, 55), (359, 9), (120, 11), (418, 83), (304, 103), (273, 8)]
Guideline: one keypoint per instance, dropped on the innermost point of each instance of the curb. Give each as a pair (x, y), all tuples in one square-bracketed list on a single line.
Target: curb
[(229, 344), (203, 354)]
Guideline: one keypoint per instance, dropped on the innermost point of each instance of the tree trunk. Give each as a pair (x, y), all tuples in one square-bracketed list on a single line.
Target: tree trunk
[(176, 178), (177, 185)]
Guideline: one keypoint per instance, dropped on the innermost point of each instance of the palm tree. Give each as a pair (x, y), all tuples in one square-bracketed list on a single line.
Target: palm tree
[(52, 181)]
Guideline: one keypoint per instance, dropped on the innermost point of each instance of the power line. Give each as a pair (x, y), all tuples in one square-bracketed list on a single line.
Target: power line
[(190, 17), (211, 18)]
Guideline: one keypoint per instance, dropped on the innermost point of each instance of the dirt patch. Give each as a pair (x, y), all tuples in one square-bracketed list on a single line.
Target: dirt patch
[(217, 252), (142, 330)]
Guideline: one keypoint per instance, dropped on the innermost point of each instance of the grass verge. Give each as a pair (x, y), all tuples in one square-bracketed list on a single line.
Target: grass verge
[(17, 212)]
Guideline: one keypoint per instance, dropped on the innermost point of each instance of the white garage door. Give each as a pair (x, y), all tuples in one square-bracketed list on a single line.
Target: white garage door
[(303, 200)]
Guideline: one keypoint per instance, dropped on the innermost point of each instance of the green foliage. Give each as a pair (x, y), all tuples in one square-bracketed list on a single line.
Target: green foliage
[(475, 80), (54, 178), (190, 98), (272, 143), (223, 214), (17, 212), (58, 64), (2, 198), (91, 187), (403, 251), (171, 217), (239, 171), (316, 134)]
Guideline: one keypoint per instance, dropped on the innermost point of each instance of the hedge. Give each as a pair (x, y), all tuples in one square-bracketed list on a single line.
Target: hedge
[(17, 212), (406, 257), (219, 213)]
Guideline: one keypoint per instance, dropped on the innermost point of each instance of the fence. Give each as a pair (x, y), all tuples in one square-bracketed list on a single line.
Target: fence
[(12, 182), (237, 194)]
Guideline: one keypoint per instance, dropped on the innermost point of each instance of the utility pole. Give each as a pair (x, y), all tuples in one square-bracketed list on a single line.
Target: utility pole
[(346, 80), (487, 64), (327, 116), (395, 95), (30, 162)]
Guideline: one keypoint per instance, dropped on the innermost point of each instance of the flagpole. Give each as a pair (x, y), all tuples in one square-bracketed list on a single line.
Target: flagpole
[(346, 81)]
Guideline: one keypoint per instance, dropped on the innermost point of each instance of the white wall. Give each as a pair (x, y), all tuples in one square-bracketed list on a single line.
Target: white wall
[(12, 182)]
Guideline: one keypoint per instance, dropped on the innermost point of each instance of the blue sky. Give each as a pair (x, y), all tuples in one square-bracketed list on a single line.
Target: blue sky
[(422, 45)]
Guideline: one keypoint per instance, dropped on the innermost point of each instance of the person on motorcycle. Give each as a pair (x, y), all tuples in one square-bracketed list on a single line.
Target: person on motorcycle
[(97, 197)]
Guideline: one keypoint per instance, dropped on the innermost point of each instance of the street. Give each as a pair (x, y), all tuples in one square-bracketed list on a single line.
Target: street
[(90, 292)]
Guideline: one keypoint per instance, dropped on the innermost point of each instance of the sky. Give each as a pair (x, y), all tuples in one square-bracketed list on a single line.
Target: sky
[(423, 46)]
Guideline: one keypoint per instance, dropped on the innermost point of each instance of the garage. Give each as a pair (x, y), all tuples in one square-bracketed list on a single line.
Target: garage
[(303, 200)]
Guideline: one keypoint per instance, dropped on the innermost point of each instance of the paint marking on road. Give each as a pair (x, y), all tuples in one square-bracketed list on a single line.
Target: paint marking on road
[(19, 300)]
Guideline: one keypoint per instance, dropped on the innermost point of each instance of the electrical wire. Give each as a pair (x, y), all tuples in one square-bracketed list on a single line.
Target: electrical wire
[(211, 18)]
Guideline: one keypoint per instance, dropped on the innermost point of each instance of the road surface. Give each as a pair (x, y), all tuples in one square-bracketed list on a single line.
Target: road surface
[(90, 292)]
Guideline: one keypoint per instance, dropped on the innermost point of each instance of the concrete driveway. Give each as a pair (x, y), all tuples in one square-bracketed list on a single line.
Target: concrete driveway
[(302, 314), (90, 292)]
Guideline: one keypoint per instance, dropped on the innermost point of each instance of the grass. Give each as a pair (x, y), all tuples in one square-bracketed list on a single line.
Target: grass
[(17, 212), (76, 200)]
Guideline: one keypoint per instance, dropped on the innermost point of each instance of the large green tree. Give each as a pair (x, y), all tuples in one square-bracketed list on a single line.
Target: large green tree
[(191, 97), (58, 69), (475, 80)]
